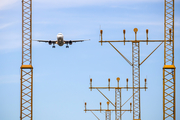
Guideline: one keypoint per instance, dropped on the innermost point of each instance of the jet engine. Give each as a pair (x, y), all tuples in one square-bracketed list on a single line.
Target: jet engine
[(50, 42), (70, 42)]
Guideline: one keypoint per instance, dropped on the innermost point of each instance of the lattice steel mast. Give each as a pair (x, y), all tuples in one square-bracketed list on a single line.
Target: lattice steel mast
[(26, 107), (118, 104), (136, 77), (169, 109)]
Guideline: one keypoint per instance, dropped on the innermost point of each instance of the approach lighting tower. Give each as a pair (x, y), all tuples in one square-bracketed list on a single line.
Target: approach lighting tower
[(118, 99), (107, 111), (26, 107), (135, 66), (169, 105)]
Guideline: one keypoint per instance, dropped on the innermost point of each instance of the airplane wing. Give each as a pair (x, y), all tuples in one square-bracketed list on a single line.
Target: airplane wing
[(70, 41), (49, 41)]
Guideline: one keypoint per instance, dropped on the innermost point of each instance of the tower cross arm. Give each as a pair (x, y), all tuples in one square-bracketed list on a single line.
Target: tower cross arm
[(136, 41), (118, 87), (107, 110)]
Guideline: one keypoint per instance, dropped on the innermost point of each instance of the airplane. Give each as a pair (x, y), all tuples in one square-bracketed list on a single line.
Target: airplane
[(60, 41)]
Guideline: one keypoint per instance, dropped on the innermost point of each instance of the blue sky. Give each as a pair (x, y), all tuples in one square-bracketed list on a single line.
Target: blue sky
[(61, 76)]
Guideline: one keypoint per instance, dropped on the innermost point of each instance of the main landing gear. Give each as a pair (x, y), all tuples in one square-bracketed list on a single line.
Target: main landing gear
[(53, 46), (67, 46)]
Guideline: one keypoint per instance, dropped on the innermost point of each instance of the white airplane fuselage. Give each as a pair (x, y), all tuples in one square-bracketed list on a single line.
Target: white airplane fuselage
[(60, 39)]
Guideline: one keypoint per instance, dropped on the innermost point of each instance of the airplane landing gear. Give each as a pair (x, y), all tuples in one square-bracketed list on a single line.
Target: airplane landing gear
[(53, 45), (67, 46)]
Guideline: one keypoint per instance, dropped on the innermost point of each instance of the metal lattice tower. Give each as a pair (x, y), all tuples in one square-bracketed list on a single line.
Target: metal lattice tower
[(26, 106), (117, 103), (108, 112), (108, 115), (136, 77), (169, 67), (136, 80)]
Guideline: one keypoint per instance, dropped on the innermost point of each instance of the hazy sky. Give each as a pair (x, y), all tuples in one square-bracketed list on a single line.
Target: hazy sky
[(61, 75)]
